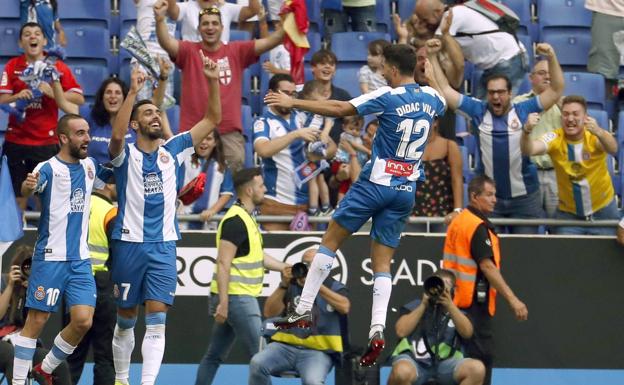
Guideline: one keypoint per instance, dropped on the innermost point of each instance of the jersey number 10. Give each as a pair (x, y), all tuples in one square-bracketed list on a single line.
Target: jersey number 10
[(409, 150)]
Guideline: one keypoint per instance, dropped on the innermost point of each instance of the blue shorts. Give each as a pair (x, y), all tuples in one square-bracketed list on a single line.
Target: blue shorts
[(388, 206), (444, 374), (50, 280), (143, 271)]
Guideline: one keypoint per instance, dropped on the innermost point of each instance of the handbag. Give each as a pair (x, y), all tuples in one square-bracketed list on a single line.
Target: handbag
[(195, 188)]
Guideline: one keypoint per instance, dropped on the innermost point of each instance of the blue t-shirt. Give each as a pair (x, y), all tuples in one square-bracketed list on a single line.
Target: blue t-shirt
[(40, 12), (100, 138), (498, 138), (405, 116)]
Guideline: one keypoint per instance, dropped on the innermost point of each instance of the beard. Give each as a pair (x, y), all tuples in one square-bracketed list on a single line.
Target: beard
[(76, 152), (153, 135)]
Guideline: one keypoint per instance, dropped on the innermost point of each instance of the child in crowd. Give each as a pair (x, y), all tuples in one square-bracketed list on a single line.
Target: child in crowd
[(279, 57), (351, 132), (317, 187), (369, 134), (352, 152), (370, 75)]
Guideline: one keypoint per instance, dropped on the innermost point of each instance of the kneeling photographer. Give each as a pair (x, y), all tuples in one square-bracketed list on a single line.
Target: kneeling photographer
[(431, 332), (13, 315)]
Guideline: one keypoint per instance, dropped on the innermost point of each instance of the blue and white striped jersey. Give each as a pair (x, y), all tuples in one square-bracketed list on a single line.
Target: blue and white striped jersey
[(147, 186), (279, 177), (65, 192), (405, 116), (498, 138)]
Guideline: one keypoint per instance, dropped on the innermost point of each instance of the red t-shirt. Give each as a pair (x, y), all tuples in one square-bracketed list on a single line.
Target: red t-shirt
[(232, 59), (39, 126)]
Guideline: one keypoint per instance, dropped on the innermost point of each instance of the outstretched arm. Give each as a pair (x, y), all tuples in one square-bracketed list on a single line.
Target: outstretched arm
[(454, 72), (529, 146), (268, 43), (551, 95), (166, 41), (121, 122), (452, 96), (335, 108), (212, 116)]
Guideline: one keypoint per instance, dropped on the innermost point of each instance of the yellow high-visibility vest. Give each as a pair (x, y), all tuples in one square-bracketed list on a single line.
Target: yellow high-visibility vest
[(101, 213)]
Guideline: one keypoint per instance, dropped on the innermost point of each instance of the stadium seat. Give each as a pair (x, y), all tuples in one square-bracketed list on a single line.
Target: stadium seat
[(246, 84), (4, 121), (89, 76), (238, 35), (528, 45), (80, 12), (525, 86), (461, 125), (248, 120), (382, 17), (88, 43), (353, 46), (84, 110), (562, 14), (347, 78), (10, 10), (127, 16), (522, 8), (572, 47), (590, 86), (173, 115), (314, 15), (9, 35), (315, 44), (405, 8), (601, 116), (466, 171)]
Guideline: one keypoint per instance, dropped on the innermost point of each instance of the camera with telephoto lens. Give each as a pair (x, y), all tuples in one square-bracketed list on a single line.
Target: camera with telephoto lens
[(25, 267), (299, 270), (434, 287)]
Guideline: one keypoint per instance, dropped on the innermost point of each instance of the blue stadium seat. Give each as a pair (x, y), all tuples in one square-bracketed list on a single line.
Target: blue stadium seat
[(590, 86), (4, 121), (562, 13), (405, 8), (9, 35), (382, 16), (89, 76), (246, 84), (127, 16), (522, 8), (528, 45), (315, 44), (353, 46), (80, 12), (525, 86), (572, 47), (346, 77), (173, 115), (601, 116), (466, 171), (84, 110), (248, 120), (314, 15), (237, 35), (475, 79), (10, 10), (88, 43)]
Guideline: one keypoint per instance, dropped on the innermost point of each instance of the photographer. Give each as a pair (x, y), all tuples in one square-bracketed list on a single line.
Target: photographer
[(431, 331), (313, 354), (13, 314)]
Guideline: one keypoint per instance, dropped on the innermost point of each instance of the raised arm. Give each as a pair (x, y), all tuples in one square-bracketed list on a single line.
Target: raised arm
[(249, 11), (274, 304), (406, 324), (173, 11), (606, 140), (268, 43), (529, 146), (552, 94), (121, 122), (166, 41), (61, 101), (335, 108), (451, 95), (212, 116), (336, 300), (455, 71), (267, 148)]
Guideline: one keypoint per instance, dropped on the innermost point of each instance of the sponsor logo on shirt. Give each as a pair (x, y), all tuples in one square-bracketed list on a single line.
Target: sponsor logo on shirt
[(40, 293), (5, 79), (152, 184), (77, 201), (396, 168), (225, 72)]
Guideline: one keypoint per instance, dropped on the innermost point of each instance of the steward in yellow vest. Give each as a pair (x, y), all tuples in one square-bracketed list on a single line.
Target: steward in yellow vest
[(238, 277), (472, 252)]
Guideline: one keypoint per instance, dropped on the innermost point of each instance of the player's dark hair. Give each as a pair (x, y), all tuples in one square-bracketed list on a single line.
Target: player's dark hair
[(244, 176), (574, 99), (62, 127), (323, 56), (98, 113), (310, 87), (477, 184), (29, 24), (277, 78), (135, 109), (401, 56), (496, 77)]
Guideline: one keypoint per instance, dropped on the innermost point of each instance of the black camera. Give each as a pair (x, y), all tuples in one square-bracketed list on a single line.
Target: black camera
[(25, 267), (299, 270), (434, 287)]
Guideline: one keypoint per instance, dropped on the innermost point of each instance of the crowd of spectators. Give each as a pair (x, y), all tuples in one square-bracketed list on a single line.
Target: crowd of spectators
[(310, 161)]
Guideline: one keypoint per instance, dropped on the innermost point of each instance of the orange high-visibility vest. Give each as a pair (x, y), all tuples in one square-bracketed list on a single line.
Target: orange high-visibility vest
[(458, 259)]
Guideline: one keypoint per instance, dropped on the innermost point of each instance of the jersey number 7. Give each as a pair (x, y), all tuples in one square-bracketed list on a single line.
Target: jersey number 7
[(409, 150)]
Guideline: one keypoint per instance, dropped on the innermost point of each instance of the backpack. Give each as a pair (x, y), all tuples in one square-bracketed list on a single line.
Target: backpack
[(503, 16)]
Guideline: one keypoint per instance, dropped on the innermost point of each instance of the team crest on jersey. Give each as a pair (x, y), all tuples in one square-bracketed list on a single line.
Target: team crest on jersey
[(77, 201), (225, 72), (515, 124), (152, 184), (164, 158), (90, 173), (258, 126), (586, 155), (115, 291), (40, 293)]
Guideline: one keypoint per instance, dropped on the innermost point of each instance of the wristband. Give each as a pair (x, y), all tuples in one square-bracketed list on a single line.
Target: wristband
[(283, 287), (457, 210), (163, 78)]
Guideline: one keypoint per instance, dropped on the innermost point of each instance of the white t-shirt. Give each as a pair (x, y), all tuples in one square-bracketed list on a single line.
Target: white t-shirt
[(608, 7), (146, 26), (280, 57), (484, 51), (189, 16)]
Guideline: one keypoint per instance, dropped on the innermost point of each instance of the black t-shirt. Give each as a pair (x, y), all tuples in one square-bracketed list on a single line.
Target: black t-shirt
[(342, 95), (235, 231)]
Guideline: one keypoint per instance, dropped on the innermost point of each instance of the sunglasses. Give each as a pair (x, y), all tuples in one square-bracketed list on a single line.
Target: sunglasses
[(210, 11)]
